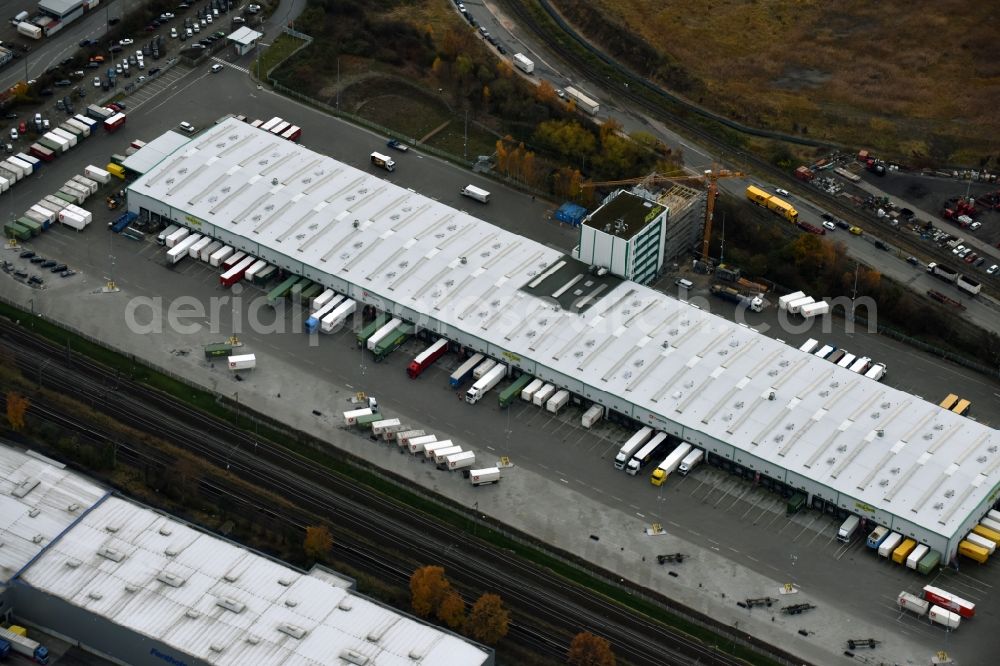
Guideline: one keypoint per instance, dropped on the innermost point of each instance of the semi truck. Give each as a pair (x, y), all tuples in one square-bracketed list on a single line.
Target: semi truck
[(465, 370), (486, 384), (206, 252), (632, 445), (973, 551), (755, 303), (523, 63), (417, 444), (29, 30), (176, 237), (485, 476), (316, 318), (942, 272), (383, 161), (476, 193), (180, 250), (220, 256), (949, 601), (425, 358), (529, 391), (644, 455), (337, 316), (889, 544), (24, 646), (441, 455), (403, 438), (944, 617), (968, 285), (322, 299), (389, 343), (670, 464), (913, 603)]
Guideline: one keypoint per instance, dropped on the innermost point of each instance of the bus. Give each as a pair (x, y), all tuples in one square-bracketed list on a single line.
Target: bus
[(949, 402), (962, 408)]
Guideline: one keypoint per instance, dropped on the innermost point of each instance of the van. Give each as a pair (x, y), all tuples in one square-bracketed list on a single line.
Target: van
[(187, 127), (684, 284), (848, 528)]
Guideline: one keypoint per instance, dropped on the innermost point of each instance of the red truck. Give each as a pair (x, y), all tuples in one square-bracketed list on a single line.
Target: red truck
[(425, 358)]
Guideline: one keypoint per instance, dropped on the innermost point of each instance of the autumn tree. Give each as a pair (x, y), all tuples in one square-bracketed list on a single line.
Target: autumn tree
[(590, 650), (318, 542), (488, 622), (428, 588), (17, 407), (451, 611)]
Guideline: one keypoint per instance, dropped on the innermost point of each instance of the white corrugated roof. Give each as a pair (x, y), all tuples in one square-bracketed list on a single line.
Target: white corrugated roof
[(38, 500), (222, 603), (150, 155), (888, 449)]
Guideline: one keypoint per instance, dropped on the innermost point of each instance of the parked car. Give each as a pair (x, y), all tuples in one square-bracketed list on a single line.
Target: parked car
[(992, 269), (396, 144), (784, 193), (829, 225)]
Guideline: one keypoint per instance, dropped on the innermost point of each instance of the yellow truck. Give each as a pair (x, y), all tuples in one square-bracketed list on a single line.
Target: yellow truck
[(973, 552), (903, 551)]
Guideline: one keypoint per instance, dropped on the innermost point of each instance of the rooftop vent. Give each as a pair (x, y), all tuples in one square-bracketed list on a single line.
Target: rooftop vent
[(291, 603), (192, 613), (34, 512), (345, 604), (253, 639), (37, 538), (131, 588), (353, 657), (73, 563), (284, 582), (23, 488), (291, 630), (216, 647), (73, 508), (111, 553), (274, 181), (170, 579), (166, 531), (231, 604)]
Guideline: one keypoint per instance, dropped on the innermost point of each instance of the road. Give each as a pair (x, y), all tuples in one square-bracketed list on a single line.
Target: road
[(982, 311)]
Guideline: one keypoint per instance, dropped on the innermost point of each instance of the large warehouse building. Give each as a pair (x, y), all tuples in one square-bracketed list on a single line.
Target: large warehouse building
[(144, 588), (764, 408)]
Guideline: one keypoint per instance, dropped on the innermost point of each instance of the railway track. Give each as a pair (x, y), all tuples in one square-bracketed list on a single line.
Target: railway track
[(372, 532), (627, 87)]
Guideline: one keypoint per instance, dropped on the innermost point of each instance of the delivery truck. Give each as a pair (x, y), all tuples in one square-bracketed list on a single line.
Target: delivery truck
[(316, 318), (633, 444), (510, 393), (485, 476), (383, 161), (670, 464), (486, 384), (691, 460), (180, 250), (333, 319), (383, 332), (476, 193), (944, 617), (848, 528), (876, 537)]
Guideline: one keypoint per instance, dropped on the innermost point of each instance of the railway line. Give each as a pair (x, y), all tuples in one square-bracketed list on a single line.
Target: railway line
[(627, 87), (372, 532)]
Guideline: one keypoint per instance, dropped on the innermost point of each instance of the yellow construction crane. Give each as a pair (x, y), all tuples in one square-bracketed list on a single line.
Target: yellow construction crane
[(711, 177)]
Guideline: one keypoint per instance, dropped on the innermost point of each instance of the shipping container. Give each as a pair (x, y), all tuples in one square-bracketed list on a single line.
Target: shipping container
[(195, 250), (180, 250), (483, 368), (972, 537), (176, 237), (949, 601), (889, 544), (431, 448), (485, 476), (465, 370), (987, 533), (913, 603), (337, 315), (542, 395), (914, 558), (35, 163), (944, 617), (461, 460), (236, 273), (41, 152), (416, 444), (559, 400), (369, 330), (383, 332), (255, 268), (529, 391), (877, 536), (243, 362), (929, 563), (220, 255), (509, 394), (903, 551), (233, 259), (351, 416), (210, 249), (322, 299), (425, 358), (97, 173), (403, 438)]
